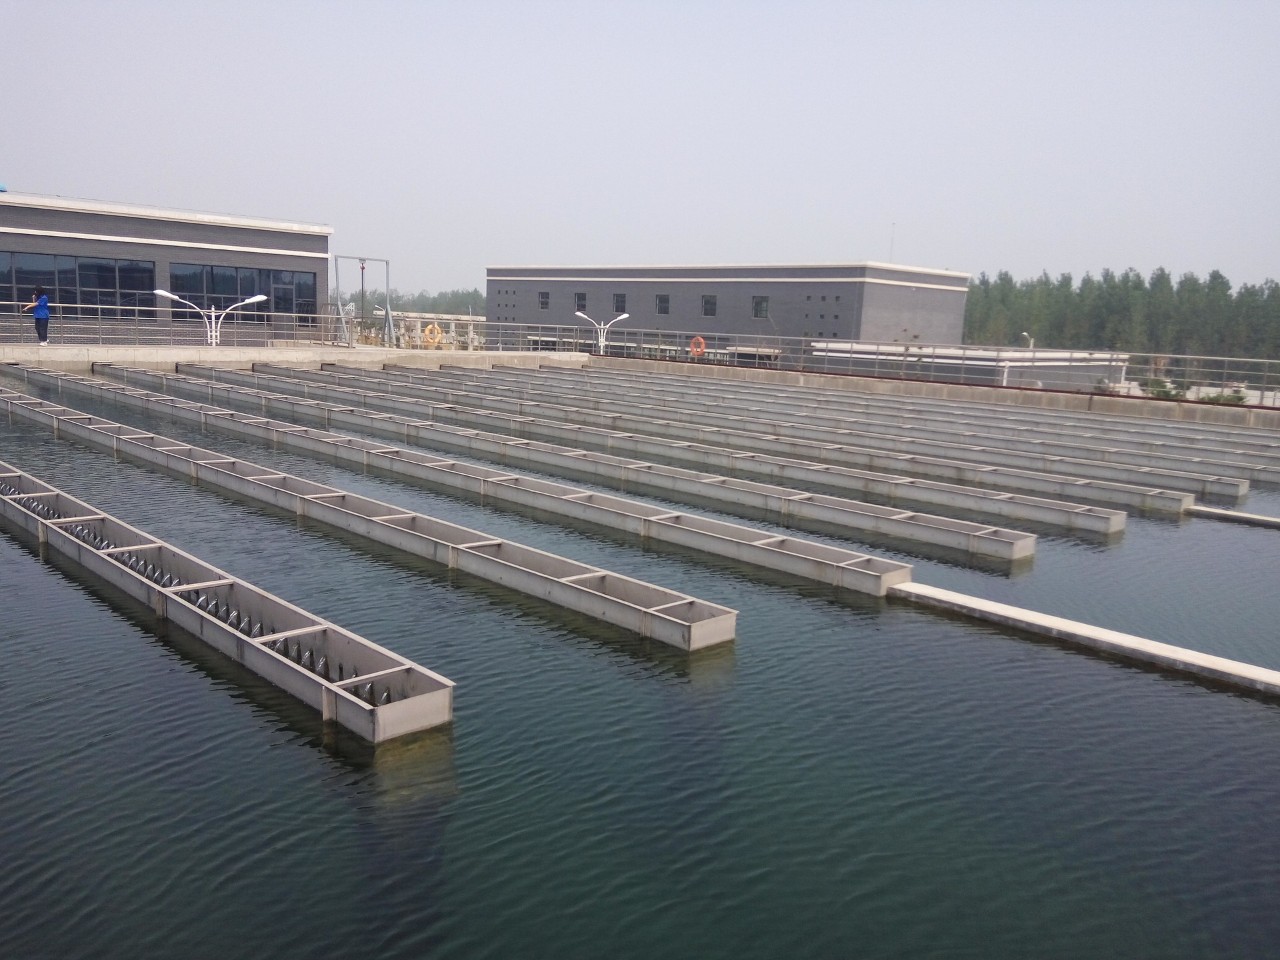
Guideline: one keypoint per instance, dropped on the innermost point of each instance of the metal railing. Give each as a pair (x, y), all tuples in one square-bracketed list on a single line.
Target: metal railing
[(1224, 380), (137, 325)]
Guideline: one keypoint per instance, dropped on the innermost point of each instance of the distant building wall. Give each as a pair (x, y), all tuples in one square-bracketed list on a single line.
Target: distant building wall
[(865, 301)]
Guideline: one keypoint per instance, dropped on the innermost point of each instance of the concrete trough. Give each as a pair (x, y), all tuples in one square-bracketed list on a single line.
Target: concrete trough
[(852, 518), (1148, 498), (446, 543), (1248, 452), (812, 415), (366, 688), (629, 474), (839, 567), (843, 448)]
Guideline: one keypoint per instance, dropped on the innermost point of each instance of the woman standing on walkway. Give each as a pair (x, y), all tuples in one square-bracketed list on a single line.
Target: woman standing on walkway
[(40, 303)]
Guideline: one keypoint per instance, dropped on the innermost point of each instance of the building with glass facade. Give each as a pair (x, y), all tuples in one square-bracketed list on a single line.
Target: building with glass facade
[(101, 261), (861, 301)]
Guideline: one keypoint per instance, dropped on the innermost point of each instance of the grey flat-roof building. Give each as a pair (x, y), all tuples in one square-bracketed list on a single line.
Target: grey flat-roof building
[(857, 301), (103, 260)]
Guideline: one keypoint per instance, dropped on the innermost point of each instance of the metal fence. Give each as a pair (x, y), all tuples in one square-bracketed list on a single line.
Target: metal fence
[(159, 326), (1229, 380)]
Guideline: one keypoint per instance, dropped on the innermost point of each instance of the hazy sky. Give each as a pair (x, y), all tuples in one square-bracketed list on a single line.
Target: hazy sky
[(451, 136)]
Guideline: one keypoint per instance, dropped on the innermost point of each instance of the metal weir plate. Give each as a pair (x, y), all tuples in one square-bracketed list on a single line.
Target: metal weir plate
[(366, 688)]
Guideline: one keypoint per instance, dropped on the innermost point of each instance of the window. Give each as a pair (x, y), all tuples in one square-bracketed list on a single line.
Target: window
[(760, 308), (824, 299), (619, 303), (662, 304), (708, 305), (580, 302), (544, 300), (290, 292)]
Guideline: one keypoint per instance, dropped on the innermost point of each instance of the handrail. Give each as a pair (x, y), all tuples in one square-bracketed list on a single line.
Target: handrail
[(1225, 380)]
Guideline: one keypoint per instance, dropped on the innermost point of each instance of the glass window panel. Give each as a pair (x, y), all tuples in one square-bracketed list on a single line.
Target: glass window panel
[(6, 270), (137, 275), (282, 299), (225, 283), (619, 303), (662, 303), (282, 277), (186, 278), (708, 305), (66, 270), (96, 273), (31, 270), (304, 285), (250, 282)]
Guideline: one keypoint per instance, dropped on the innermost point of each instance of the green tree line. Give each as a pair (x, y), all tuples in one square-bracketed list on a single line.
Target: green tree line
[(1127, 312), (446, 301)]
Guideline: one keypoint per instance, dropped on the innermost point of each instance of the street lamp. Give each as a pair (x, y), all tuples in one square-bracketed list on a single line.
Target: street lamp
[(1031, 341), (212, 319), (602, 329)]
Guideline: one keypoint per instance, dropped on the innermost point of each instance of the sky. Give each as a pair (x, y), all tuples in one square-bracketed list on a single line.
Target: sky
[(447, 136)]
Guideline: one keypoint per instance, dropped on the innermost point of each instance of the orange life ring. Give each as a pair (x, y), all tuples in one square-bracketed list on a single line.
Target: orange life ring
[(432, 334), (697, 347)]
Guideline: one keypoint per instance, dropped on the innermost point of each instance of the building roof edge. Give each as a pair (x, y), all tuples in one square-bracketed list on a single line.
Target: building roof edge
[(74, 204), (735, 266)]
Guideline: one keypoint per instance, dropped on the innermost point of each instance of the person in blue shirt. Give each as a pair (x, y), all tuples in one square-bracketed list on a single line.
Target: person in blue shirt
[(40, 305)]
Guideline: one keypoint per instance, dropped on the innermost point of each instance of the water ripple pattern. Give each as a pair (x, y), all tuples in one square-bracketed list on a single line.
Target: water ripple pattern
[(848, 779)]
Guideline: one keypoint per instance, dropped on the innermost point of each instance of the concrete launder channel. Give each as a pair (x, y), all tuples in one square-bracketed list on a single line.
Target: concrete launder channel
[(366, 688), (647, 609), (835, 566), (773, 457), (833, 515), (1174, 659), (552, 436), (1256, 462)]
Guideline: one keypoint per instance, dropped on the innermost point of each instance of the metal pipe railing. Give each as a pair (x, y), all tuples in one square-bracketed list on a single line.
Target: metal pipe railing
[(1225, 380)]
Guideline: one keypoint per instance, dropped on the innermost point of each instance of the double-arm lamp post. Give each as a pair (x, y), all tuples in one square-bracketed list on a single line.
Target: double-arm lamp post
[(211, 317), (602, 329)]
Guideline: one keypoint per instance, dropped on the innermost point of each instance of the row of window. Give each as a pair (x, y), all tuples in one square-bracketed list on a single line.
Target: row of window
[(661, 304), (216, 288), (73, 282), (119, 288)]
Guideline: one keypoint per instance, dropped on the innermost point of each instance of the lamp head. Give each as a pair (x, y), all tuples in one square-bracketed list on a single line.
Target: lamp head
[(579, 313), (257, 298), (164, 293)]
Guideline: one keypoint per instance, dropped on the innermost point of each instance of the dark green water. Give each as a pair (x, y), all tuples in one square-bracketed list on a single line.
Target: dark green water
[(848, 779)]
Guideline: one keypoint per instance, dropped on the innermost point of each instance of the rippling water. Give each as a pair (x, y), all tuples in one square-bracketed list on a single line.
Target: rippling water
[(848, 779)]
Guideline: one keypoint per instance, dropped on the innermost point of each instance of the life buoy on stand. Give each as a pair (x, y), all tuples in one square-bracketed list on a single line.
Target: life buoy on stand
[(432, 335), (697, 347)]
